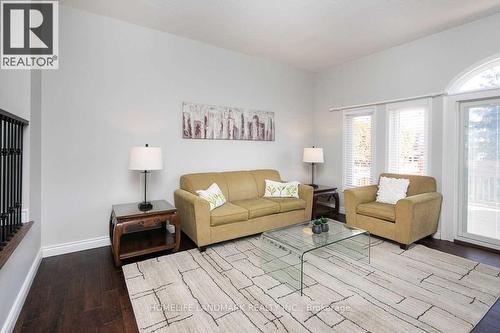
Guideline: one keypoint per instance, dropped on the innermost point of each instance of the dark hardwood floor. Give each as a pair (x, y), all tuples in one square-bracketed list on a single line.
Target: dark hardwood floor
[(81, 292), (84, 292)]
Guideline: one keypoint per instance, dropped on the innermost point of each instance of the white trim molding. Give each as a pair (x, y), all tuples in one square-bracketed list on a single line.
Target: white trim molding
[(450, 216), (388, 101), (86, 244), (17, 306)]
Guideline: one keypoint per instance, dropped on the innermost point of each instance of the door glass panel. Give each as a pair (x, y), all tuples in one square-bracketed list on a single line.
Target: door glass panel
[(482, 163)]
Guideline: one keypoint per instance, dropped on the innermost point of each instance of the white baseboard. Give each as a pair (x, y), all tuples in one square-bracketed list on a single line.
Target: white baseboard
[(86, 244), (16, 308)]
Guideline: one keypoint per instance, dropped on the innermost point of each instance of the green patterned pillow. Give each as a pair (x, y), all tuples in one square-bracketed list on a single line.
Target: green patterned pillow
[(281, 190), (213, 195)]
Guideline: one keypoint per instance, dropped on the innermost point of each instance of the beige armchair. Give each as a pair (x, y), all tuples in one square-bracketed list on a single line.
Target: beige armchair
[(409, 220)]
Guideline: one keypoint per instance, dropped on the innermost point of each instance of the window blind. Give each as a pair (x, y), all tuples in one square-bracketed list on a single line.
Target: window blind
[(408, 137), (358, 147)]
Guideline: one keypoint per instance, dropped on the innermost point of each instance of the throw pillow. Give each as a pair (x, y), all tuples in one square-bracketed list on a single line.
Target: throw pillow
[(390, 190), (213, 195), (273, 189), (276, 189)]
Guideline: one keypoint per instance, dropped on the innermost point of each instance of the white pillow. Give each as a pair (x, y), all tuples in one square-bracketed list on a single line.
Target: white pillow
[(281, 190), (213, 195), (390, 190)]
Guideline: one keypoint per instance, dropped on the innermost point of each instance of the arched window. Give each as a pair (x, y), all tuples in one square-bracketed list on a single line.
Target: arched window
[(486, 76)]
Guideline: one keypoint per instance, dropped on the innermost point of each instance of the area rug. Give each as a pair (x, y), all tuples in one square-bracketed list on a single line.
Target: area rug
[(225, 290)]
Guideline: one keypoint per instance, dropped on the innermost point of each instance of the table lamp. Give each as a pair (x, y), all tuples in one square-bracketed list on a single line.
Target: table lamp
[(313, 155), (145, 159)]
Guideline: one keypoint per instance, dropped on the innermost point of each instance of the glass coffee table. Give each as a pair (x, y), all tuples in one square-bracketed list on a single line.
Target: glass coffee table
[(283, 249)]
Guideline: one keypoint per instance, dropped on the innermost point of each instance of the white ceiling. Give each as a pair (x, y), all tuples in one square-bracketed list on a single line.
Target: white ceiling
[(309, 34)]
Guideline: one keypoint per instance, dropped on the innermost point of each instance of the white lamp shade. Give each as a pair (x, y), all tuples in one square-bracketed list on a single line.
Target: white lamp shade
[(313, 155), (145, 158)]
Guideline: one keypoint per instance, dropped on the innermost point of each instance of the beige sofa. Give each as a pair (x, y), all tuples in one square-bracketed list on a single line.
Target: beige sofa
[(409, 220), (246, 212)]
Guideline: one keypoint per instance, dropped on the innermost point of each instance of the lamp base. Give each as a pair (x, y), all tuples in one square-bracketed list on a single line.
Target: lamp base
[(313, 185), (145, 206)]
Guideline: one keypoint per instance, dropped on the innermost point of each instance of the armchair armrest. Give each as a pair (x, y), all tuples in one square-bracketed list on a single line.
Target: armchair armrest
[(355, 196), (417, 216), (194, 215), (306, 193)]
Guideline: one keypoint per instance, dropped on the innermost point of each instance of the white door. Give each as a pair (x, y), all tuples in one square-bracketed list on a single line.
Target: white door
[(480, 172)]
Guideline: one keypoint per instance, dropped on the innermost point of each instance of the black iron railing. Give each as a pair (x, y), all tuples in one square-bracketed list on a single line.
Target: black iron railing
[(11, 175)]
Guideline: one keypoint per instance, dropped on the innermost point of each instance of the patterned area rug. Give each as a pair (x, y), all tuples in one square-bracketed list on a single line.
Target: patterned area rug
[(224, 290)]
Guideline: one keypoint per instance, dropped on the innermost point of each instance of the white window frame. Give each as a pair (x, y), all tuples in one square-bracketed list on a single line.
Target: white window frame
[(370, 110), (464, 77), (391, 107), (451, 211), (462, 184)]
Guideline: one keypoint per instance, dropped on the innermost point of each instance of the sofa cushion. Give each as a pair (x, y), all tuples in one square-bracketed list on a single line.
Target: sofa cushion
[(378, 210), (261, 176), (227, 213), (258, 207), (200, 181), (289, 204), (241, 185)]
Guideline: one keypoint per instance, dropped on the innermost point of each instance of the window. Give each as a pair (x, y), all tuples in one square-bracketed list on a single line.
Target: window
[(359, 147), (486, 76), (408, 137)]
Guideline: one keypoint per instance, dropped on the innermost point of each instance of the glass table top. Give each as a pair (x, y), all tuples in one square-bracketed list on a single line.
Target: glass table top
[(301, 238), (132, 209)]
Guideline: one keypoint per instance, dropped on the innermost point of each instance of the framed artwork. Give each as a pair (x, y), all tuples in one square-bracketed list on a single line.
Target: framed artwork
[(200, 121)]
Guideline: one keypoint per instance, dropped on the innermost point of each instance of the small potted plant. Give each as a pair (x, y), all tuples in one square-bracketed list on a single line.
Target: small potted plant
[(316, 227), (324, 224)]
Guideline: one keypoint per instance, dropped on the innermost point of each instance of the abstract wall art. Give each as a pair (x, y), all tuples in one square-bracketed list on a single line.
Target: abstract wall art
[(200, 121)]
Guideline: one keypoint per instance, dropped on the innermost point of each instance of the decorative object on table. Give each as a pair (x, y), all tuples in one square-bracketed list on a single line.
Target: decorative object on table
[(134, 232), (145, 159), (213, 195), (313, 155), (324, 224), (316, 226), (326, 198), (276, 189), (200, 121)]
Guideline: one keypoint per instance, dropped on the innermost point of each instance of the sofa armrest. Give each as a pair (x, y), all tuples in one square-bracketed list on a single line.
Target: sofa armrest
[(355, 196), (417, 216), (306, 193), (194, 215)]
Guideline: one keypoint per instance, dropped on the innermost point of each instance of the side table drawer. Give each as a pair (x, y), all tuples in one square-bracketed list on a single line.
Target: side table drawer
[(143, 224)]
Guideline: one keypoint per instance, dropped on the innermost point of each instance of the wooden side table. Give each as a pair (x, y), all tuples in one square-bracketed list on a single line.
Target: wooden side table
[(325, 192), (134, 233)]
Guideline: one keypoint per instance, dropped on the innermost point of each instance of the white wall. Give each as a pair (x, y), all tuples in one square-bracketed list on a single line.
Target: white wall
[(15, 92), (18, 95), (121, 85), (424, 66)]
